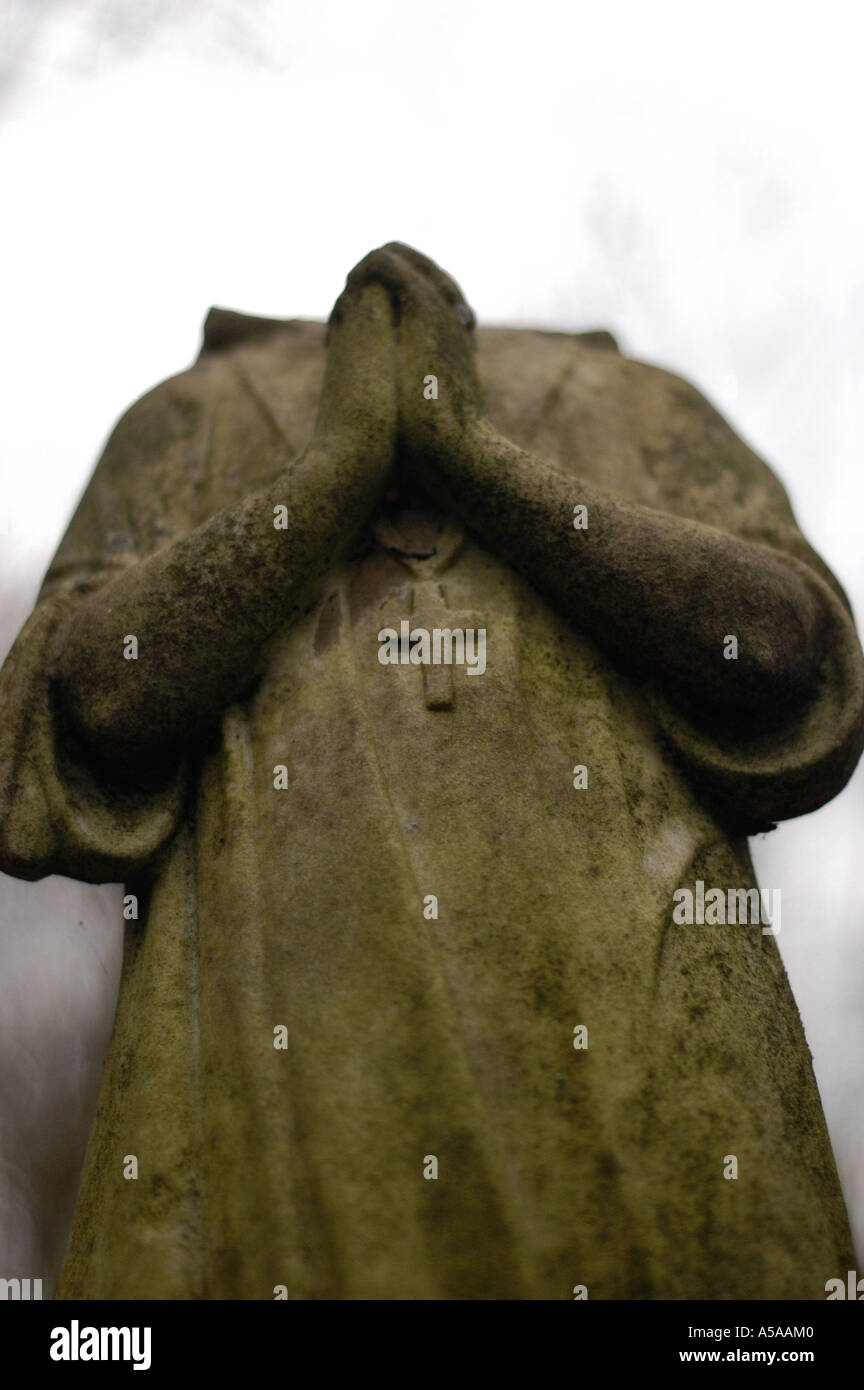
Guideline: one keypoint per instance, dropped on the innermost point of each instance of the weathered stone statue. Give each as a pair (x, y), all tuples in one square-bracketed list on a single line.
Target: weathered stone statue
[(409, 1009)]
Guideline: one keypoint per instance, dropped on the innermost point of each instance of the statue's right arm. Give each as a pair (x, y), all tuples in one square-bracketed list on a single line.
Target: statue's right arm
[(201, 608)]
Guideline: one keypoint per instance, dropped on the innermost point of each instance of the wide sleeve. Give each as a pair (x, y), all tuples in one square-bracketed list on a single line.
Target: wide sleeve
[(59, 813), (755, 776)]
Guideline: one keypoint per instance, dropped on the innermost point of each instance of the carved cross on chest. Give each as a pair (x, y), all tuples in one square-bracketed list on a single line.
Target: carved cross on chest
[(430, 612)]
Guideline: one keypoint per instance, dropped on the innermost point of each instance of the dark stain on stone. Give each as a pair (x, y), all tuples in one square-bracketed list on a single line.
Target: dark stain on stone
[(329, 624)]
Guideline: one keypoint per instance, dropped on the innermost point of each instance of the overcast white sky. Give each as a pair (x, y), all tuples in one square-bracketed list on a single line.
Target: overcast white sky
[(685, 174)]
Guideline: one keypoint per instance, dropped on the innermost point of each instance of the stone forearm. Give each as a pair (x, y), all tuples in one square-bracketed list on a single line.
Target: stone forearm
[(661, 592), (201, 609)]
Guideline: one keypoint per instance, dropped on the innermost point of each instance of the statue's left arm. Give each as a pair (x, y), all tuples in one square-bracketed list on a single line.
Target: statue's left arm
[(746, 647), (660, 592), (777, 728)]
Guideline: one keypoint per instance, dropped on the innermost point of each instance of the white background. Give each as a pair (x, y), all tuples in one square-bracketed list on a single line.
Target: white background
[(685, 174)]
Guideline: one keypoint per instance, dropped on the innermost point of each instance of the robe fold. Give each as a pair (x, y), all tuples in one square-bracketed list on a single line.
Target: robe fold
[(429, 1126)]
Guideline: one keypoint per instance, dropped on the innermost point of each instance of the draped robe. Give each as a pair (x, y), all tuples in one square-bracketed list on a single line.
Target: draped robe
[(299, 913)]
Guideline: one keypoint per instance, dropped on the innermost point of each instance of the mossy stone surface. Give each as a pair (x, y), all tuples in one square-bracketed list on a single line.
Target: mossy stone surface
[(302, 906)]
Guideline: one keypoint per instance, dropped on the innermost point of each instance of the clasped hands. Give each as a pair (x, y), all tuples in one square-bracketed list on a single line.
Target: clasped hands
[(400, 385)]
